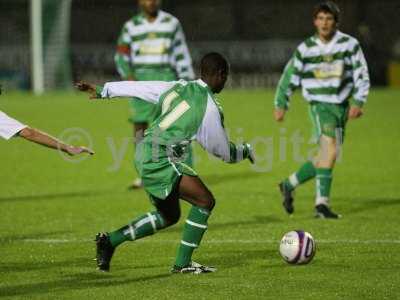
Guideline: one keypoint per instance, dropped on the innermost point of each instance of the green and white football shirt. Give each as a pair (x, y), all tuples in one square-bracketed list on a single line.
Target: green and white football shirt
[(187, 112), (160, 44), (330, 72)]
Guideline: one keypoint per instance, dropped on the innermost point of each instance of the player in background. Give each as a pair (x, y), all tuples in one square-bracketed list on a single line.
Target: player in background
[(151, 46), (332, 71), (188, 111)]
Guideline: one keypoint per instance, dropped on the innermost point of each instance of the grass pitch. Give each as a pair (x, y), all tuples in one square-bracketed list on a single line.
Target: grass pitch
[(52, 207)]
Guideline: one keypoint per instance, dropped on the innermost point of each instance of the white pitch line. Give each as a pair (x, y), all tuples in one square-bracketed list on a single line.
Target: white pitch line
[(68, 241)]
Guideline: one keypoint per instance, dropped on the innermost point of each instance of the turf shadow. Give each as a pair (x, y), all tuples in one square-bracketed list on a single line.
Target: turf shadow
[(15, 267), (39, 235), (56, 196), (255, 220), (361, 205), (234, 258), (78, 281), (214, 179)]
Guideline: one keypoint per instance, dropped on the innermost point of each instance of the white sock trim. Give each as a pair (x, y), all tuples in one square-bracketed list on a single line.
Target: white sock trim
[(322, 200), (317, 185), (293, 180), (189, 244), (196, 224), (152, 221), (131, 232)]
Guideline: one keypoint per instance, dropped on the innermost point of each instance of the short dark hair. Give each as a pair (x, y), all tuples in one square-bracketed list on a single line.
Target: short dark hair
[(327, 7), (212, 63)]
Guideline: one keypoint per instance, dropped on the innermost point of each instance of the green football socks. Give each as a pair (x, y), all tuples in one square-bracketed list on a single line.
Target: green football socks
[(140, 227), (195, 226), (323, 185), (306, 172)]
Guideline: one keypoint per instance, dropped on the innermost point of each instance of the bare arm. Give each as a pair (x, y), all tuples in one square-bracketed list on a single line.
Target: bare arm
[(46, 140)]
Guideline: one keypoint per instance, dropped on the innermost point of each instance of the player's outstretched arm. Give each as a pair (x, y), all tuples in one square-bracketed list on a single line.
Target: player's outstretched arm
[(46, 140), (149, 91), (89, 88)]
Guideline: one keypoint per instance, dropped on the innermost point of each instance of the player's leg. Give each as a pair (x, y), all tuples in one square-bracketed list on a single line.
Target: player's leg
[(138, 134), (166, 214), (325, 162), (330, 119), (141, 116), (306, 172), (138, 131), (194, 191)]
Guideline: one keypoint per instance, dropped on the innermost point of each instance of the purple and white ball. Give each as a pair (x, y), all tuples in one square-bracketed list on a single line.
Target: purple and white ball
[(297, 247)]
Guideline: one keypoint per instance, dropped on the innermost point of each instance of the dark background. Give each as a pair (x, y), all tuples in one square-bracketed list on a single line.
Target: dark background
[(257, 36)]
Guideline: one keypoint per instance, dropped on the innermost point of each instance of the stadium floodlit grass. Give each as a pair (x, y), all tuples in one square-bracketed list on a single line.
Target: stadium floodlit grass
[(51, 208)]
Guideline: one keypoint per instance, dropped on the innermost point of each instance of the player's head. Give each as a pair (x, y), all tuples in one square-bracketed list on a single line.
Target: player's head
[(149, 7), (326, 18), (214, 70)]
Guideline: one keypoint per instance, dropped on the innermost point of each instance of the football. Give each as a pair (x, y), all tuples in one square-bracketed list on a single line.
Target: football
[(297, 247)]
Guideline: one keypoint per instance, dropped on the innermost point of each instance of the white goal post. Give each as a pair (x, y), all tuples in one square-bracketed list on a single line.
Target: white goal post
[(37, 46), (50, 44)]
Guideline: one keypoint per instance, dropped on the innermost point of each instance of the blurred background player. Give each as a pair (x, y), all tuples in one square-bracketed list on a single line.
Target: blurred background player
[(332, 71), (151, 46), (189, 112)]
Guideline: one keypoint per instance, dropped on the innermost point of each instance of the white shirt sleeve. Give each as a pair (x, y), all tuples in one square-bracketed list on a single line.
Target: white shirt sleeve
[(211, 134), (149, 91), (9, 126)]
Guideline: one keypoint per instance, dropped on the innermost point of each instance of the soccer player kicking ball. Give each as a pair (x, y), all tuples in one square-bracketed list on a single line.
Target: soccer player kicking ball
[(332, 71), (189, 112)]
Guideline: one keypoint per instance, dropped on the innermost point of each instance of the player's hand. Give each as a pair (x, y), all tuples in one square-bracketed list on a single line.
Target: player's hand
[(279, 114), (87, 87), (355, 112), (73, 150), (248, 150)]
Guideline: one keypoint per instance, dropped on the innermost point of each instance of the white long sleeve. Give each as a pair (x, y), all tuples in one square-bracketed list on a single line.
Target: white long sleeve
[(9, 127), (211, 134), (149, 91)]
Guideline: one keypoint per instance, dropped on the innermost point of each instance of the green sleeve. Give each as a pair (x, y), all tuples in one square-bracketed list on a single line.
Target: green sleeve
[(284, 87), (357, 103), (290, 80), (121, 58), (123, 66)]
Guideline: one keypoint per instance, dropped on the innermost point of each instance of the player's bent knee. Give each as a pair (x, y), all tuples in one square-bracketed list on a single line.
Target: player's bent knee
[(208, 203), (172, 218)]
